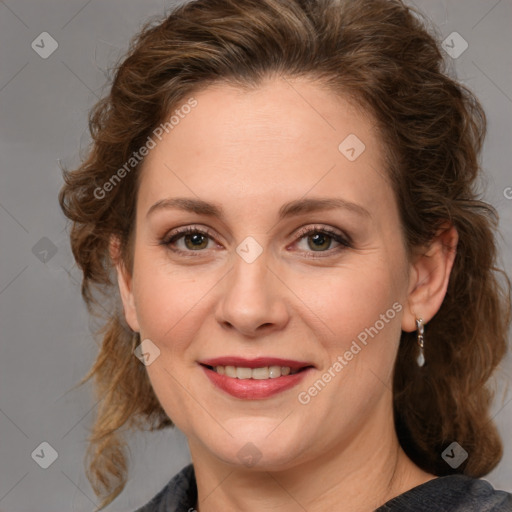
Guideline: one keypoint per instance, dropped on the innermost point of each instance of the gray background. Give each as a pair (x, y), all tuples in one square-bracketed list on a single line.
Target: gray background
[(46, 346)]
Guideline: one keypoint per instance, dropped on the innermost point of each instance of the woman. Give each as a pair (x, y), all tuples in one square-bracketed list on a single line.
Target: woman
[(285, 191)]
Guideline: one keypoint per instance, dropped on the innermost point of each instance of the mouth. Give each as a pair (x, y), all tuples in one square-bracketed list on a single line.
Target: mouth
[(260, 368), (256, 378), (260, 373)]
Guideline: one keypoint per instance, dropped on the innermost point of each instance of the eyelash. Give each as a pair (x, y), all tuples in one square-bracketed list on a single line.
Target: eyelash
[(344, 241)]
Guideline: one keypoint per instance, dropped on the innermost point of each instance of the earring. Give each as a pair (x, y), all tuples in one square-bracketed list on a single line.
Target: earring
[(421, 329)]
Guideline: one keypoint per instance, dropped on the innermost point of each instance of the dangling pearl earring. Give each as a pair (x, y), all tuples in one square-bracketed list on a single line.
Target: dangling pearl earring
[(421, 329)]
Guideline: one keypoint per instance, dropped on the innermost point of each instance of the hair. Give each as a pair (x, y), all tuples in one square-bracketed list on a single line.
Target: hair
[(382, 55)]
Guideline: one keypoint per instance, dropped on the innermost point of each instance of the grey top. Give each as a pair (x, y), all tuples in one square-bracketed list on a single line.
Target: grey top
[(453, 493)]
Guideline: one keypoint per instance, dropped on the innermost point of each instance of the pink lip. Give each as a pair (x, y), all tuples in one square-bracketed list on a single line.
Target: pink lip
[(254, 389), (259, 362)]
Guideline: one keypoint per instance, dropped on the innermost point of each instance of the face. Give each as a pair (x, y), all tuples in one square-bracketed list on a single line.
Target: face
[(271, 276)]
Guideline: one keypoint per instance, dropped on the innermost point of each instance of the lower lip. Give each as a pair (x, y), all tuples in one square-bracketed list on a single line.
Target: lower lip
[(254, 389)]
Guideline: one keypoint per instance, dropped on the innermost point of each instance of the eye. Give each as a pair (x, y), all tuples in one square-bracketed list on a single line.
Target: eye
[(195, 240), (319, 239)]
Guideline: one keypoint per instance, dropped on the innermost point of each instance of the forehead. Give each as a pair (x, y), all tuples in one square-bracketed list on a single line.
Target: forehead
[(286, 137)]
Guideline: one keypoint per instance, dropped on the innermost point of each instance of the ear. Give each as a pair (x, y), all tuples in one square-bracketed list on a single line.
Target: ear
[(124, 280), (429, 277)]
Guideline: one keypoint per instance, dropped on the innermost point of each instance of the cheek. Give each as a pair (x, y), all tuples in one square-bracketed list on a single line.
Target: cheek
[(360, 312), (170, 302), (363, 316), (170, 313)]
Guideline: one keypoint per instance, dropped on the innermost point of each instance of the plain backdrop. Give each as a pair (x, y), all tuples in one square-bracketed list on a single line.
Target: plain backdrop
[(46, 345)]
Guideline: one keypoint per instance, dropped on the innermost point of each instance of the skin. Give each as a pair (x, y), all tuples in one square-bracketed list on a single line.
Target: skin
[(251, 152)]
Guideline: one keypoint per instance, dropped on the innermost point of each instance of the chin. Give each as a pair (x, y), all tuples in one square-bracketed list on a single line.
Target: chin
[(259, 453)]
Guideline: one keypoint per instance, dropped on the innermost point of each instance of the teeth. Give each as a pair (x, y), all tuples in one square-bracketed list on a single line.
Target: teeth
[(229, 371), (243, 373), (266, 372), (261, 373)]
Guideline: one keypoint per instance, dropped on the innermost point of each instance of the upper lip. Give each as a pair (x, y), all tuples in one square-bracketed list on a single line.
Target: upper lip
[(259, 362)]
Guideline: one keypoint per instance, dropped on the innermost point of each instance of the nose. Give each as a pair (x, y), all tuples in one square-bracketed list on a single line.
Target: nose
[(253, 299)]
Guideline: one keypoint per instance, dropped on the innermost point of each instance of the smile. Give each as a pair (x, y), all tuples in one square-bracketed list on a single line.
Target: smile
[(253, 379), (264, 372)]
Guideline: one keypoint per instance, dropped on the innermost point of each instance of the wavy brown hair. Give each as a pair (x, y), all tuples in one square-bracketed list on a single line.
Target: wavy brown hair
[(379, 53)]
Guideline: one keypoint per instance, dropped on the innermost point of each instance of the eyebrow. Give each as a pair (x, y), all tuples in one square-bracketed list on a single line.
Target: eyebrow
[(290, 209)]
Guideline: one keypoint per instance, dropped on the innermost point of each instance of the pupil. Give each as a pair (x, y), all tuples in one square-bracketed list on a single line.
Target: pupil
[(319, 237), (195, 239)]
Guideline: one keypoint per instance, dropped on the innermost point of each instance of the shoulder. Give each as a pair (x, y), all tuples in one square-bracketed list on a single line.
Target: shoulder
[(453, 493), (179, 495)]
